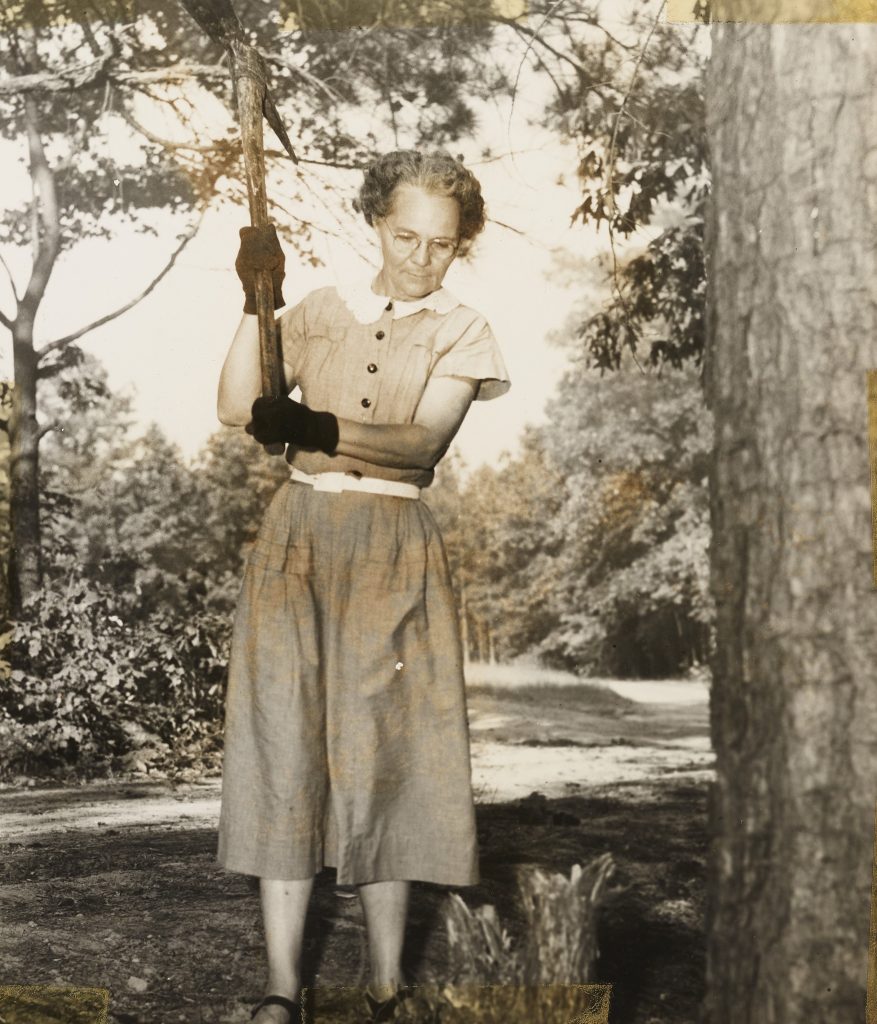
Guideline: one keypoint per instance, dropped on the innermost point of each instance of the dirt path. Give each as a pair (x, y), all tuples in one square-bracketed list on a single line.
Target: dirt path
[(115, 885), (554, 740)]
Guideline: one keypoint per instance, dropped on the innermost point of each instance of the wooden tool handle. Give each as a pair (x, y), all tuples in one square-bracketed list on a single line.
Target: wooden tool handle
[(250, 95)]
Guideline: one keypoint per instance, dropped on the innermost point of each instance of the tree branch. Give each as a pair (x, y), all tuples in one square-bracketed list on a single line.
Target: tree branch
[(159, 140), (90, 72), (11, 279), (332, 94), (72, 77), (535, 37), (508, 227), (181, 72), (594, 22), (276, 205), (4, 319), (225, 144), (184, 241)]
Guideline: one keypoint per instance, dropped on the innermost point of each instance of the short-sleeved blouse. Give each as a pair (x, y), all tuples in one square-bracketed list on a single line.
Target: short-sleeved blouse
[(376, 372)]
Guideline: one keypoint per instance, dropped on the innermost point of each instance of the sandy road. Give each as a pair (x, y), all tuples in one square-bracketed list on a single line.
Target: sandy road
[(557, 748)]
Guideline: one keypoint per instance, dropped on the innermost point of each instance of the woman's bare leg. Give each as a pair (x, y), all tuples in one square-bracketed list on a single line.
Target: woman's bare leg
[(385, 905), (284, 908)]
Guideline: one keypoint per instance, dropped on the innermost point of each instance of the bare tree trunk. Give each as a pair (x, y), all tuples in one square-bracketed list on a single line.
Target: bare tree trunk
[(24, 572), (25, 556), (5, 597), (25, 568), (793, 318), (482, 642), (464, 622)]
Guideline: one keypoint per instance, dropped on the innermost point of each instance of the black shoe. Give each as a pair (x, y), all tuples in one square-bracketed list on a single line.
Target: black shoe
[(293, 1009)]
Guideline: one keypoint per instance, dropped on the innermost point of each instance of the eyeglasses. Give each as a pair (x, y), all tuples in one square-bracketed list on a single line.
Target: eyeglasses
[(406, 242)]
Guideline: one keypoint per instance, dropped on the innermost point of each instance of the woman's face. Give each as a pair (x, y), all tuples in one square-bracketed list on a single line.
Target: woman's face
[(430, 217)]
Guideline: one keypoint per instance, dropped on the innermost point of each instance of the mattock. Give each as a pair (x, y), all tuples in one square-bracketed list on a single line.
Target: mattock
[(249, 76)]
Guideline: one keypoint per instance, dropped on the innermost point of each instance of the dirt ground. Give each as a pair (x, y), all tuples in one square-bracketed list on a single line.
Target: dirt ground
[(114, 885)]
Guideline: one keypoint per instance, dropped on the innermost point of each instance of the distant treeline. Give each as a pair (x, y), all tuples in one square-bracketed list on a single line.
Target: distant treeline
[(589, 547)]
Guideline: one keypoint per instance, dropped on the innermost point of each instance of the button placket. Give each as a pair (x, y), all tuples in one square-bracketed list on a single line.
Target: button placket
[(375, 358)]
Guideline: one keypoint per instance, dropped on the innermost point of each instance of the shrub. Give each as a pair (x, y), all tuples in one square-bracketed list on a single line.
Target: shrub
[(88, 685)]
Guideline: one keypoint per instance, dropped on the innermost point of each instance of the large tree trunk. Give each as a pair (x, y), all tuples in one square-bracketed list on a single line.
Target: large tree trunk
[(793, 321)]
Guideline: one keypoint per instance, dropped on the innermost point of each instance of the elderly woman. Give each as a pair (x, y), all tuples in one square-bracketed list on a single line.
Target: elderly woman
[(346, 738)]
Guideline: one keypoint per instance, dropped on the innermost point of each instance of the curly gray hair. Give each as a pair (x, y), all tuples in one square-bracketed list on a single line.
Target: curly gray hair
[(437, 172)]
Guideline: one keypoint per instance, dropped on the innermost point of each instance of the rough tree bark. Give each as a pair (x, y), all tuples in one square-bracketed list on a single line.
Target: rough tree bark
[(793, 320)]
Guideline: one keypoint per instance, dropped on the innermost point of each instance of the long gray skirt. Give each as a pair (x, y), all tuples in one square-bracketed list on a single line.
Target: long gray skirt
[(346, 737)]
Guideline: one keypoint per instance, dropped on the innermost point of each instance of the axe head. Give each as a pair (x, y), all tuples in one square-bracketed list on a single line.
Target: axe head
[(273, 118), (246, 60), (218, 19)]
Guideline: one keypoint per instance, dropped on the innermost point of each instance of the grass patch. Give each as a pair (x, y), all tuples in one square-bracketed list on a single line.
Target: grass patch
[(482, 673), (592, 696)]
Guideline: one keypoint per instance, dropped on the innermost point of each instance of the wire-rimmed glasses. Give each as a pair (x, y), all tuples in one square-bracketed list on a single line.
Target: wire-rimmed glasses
[(406, 242)]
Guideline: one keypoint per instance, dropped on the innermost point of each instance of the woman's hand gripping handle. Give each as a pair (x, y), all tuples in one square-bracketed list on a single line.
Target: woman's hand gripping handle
[(260, 265)]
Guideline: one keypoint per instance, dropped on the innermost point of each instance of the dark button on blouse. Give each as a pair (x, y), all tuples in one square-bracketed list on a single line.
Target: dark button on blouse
[(379, 335), (389, 306), (372, 368), (366, 402)]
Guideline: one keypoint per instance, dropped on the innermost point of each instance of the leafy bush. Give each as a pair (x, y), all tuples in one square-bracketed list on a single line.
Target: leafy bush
[(120, 663), (86, 687)]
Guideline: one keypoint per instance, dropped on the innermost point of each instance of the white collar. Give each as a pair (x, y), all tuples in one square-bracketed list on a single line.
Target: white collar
[(367, 306)]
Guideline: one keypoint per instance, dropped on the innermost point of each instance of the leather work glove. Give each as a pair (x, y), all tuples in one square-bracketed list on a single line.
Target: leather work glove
[(260, 250), (283, 419)]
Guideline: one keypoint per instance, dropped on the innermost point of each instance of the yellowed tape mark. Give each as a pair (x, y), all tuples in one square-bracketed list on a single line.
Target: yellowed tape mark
[(484, 1004), (825, 12), (872, 453), (25, 1004), (343, 15), (871, 1001)]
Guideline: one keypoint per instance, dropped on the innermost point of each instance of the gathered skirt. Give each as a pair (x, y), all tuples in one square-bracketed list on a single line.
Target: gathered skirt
[(346, 736)]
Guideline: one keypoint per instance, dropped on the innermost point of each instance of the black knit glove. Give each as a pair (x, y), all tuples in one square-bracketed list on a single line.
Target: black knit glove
[(260, 250), (282, 419)]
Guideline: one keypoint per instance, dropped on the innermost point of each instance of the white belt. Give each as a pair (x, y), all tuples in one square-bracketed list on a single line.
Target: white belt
[(350, 482)]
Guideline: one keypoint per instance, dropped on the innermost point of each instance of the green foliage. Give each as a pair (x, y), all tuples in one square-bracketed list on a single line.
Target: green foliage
[(98, 119), (661, 304), (121, 660), (590, 548), (91, 688), (635, 112), (633, 450)]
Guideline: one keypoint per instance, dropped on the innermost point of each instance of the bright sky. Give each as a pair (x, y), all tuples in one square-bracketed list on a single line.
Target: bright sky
[(169, 349)]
